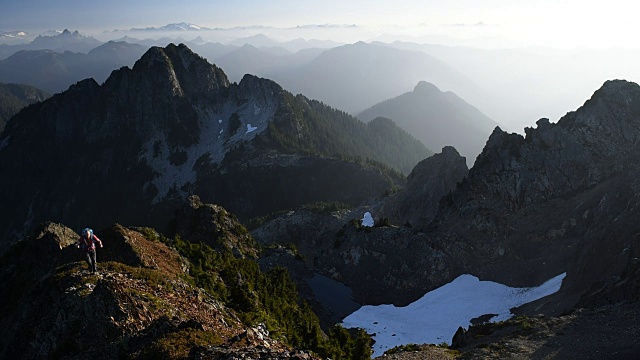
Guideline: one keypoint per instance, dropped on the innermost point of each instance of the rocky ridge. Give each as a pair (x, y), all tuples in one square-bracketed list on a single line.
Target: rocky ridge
[(139, 305)]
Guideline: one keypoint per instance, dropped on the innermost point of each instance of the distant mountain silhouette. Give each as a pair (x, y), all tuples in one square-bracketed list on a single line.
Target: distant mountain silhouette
[(182, 26), (262, 61), (258, 40), (296, 45), (54, 72), (357, 76), (65, 41), (437, 119), (524, 85)]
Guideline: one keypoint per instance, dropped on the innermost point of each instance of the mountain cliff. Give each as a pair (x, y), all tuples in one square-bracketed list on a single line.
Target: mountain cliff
[(437, 119), (131, 149)]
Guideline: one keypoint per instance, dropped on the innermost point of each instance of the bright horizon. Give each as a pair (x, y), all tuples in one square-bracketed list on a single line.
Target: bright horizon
[(492, 23)]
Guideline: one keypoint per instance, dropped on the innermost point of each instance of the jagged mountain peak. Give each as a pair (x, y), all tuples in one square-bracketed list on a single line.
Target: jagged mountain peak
[(608, 109), (618, 87), (188, 73), (583, 148)]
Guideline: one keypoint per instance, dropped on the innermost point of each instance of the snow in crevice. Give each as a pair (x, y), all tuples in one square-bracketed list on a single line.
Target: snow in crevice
[(436, 316), (367, 219), (214, 141)]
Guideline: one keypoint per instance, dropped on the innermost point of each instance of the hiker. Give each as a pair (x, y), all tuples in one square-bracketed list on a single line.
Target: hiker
[(87, 242)]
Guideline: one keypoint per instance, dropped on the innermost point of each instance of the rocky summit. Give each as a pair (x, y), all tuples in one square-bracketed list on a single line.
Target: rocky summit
[(132, 149)]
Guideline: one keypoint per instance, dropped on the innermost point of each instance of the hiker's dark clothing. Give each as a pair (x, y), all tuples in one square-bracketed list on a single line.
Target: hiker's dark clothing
[(91, 260), (89, 245)]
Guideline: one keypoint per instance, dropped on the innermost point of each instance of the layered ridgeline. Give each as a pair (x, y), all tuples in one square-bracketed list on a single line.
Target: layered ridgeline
[(55, 71), (364, 74), (14, 97), (64, 41), (199, 295), (131, 149), (437, 119)]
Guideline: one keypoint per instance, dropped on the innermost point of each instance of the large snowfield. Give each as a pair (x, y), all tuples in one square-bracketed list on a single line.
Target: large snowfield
[(434, 318)]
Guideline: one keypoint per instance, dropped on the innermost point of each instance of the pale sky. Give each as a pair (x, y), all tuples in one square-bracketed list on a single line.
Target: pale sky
[(560, 23)]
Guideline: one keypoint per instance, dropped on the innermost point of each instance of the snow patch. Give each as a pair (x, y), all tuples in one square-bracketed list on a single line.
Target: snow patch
[(367, 219), (436, 316), (250, 128), (219, 121)]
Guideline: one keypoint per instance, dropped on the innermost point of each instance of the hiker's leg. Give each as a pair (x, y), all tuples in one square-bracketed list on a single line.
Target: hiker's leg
[(88, 259), (93, 260)]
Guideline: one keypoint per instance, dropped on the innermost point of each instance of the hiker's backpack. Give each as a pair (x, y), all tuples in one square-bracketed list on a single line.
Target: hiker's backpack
[(86, 243)]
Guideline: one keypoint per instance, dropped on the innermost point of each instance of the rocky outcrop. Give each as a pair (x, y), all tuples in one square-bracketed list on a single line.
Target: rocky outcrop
[(213, 225), (417, 204)]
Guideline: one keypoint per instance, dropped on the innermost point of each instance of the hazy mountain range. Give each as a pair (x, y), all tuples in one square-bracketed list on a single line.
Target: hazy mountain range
[(514, 87), (65, 41), (357, 76), (54, 72), (437, 118)]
